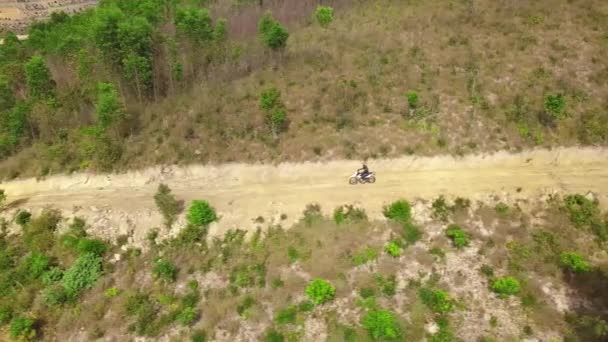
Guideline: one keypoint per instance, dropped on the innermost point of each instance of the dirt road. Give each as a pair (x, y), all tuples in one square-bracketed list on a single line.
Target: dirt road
[(123, 203)]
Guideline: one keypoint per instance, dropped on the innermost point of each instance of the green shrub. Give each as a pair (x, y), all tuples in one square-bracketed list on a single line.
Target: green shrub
[(487, 271), (400, 211), (22, 328), (168, 205), (388, 286), (111, 292), (320, 291), (6, 314), (292, 254), (53, 275), (187, 316), (348, 213), (367, 292), (501, 208), (393, 249), (324, 15), (365, 256), (273, 34), (441, 209), (458, 236), (411, 233), (270, 99), (55, 295), (312, 213), (437, 300), (201, 213), (37, 264), (190, 234), (199, 336), (82, 274), (555, 104), (445, 333), (382, 325), (582, 211), (574, 262), (287, 315), (23, 217), (165, 270), (506, 286), (306, 306), (92, 246), (412, 99), (271, 335), (243, 308)]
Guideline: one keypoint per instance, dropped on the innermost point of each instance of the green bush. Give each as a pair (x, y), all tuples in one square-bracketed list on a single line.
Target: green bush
[(411, 233), (412, 99), (111, 292), (168, 205), (243, 308), (199, 336), (324, 15), (271, 335), (501, 208), (437, 300), (37, 264), (6, 314), (382, 325), (201, 213), (458, 236), (555, 104), (23, 217), (445, 333), (441, 209), (320, 291), (365, 256), (82, 274), (287, 315), (306, 306), (92, 246), (53, 275), (165, 270), (55, 295), (22, 328), (400, 211), (273, 34), (292, 254), (393, 249), (348, 213), (506, 286), (270, 99), (388, 285), (574, 262), (187, 316)]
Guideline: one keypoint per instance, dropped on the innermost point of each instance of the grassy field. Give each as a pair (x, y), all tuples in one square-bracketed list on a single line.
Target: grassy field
[(440, 270), (481, 76)]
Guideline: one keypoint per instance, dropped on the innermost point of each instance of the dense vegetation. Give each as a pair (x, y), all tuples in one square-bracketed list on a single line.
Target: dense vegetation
[(333, 277), (134, 83)]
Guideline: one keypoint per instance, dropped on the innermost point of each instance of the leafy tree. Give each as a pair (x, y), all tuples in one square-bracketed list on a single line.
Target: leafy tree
[(320, 291), (38, 78), (382, 325), (82, 274), (324, 15), (196, 24), (574, 261), (201, 213), (273, 34), (7, 98), (106, 32), (506, 286), (108, 108)]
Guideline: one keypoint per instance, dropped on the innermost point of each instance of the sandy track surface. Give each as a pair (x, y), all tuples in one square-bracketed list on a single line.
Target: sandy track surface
[(123, 203)]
